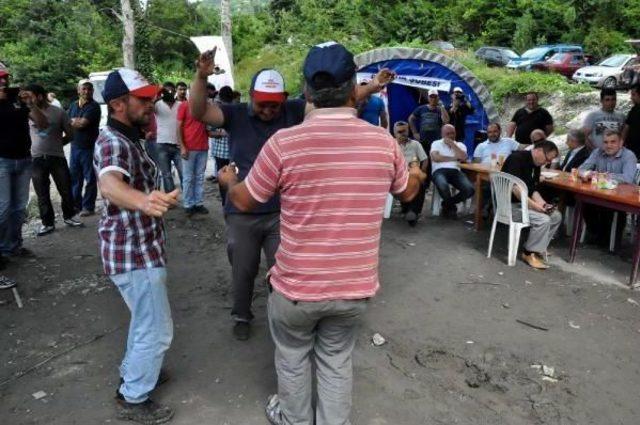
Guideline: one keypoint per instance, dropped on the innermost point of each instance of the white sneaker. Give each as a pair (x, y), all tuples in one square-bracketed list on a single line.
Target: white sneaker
[(45, 230), (72, 222)]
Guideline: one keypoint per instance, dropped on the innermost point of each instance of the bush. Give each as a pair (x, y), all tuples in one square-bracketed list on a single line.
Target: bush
[(602, 42)]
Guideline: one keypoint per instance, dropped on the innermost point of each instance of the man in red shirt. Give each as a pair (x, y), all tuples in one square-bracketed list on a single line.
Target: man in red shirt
[(194, 145), (333, 173)]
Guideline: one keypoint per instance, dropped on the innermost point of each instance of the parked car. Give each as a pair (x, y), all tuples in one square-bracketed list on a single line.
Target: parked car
[(496, 56), (607, 73), (563, 63), (540, 54), (442, 45)]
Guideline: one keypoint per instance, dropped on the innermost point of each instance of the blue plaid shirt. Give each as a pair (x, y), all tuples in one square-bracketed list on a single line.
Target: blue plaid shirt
[(220, 146)]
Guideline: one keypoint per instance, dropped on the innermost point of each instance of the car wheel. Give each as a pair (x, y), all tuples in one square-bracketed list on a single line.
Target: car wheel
[(610, 83)]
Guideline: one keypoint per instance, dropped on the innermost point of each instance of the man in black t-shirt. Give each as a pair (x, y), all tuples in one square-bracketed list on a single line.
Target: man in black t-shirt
[(529, 118), (631, 131), (544, 217), (458, 112), (15, 163)]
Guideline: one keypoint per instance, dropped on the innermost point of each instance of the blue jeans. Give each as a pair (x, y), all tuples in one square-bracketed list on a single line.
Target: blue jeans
[(167, 154), (14, 196), (193, 178), (81, 167), (150, 331), (445, 177)]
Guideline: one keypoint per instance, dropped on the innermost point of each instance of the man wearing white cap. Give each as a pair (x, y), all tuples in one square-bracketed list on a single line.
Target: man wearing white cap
[(458, 112), (132, 238), (249, 127)]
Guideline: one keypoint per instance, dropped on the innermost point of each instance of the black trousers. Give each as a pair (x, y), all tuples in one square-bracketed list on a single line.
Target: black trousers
[(417, 203), (220, 163), (45, 167), (598, 220)]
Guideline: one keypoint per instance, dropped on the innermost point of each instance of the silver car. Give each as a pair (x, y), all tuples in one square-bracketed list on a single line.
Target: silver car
[(605, 74)]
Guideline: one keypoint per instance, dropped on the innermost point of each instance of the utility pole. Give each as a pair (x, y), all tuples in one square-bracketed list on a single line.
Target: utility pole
[(225, 28)]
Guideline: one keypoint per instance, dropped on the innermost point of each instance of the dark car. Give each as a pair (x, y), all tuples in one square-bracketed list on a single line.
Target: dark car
[(496, 56), (563, 63)]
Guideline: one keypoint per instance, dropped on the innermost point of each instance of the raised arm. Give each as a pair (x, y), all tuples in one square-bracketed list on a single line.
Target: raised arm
[(202, 110)]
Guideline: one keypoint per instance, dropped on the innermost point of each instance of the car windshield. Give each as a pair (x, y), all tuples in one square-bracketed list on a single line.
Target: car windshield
[(98, 86), (614, 61), (557, 58), (511, 54), (534, 53)]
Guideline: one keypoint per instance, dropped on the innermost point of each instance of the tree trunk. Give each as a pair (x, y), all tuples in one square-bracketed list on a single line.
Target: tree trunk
[(225, 28), (128, 40)]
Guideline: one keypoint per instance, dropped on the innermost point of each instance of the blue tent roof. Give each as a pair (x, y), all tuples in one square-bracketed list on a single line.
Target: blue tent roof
[(422, 69)]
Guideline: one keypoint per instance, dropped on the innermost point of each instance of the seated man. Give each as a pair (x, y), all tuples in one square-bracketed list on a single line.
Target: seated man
[(544, 218), (620, 163), (578, 152), (446, 154), (495, 145), (413, 152)]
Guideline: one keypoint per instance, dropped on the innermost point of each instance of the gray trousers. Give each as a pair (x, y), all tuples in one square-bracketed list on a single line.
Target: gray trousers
[(247, 235), (543, 228), (325, 332)]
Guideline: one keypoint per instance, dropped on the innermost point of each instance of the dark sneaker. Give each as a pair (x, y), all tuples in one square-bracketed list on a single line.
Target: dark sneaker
[(45, 230), (72, 222), (272, 410), (241, 331), (200, 209), (147, 413), (190, 211), (412, 218), (23, 252), (6, 283), (86, 213)]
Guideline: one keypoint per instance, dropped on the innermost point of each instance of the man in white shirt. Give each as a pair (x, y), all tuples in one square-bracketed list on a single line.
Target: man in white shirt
[(495, 146), (166, 110), (446, 154)]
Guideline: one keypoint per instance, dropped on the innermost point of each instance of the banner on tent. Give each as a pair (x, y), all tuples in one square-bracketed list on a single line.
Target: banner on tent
[(425, 83)]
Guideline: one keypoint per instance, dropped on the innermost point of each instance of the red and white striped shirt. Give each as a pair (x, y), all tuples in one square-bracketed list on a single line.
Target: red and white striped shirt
[(333, 173)]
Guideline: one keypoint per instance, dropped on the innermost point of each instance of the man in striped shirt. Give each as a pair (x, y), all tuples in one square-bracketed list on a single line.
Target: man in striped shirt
[(333, 173)]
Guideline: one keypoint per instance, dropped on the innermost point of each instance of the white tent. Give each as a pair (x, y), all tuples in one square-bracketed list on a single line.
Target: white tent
[(207, 42)]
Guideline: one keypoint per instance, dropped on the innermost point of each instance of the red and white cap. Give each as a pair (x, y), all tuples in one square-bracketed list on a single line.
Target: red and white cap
[(433, 92), (128, 81), (268, 86)]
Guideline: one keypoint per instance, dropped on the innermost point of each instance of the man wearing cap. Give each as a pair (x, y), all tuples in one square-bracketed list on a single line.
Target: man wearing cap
[(84, 114), (249, 125), (15, 164), (333, 173), (459, 111), (132, 239)]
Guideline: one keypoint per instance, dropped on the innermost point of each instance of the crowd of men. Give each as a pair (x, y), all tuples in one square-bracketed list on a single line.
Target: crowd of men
[(293, 174)]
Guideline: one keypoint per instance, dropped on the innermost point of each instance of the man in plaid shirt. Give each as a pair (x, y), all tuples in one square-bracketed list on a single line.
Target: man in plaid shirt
[(132, 239), (220, 141)]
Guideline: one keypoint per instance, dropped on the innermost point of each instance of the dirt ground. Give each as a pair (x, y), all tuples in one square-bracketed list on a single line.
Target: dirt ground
[(455, 351)]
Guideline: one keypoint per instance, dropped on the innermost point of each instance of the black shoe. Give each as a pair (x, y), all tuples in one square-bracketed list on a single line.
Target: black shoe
[(23, 253), (146, 413), (241, 331), (200, 209), (72, 222), (190, 211), (45, 230)]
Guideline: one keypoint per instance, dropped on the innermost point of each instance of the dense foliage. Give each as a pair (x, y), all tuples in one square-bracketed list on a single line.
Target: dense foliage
[(56, 42)]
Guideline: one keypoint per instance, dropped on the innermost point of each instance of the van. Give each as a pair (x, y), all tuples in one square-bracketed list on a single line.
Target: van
[(540, 54)]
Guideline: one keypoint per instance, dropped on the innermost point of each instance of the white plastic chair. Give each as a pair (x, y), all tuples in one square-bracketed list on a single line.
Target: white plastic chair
[(614, 223), (502, 185), (388, 205), (436, 201)]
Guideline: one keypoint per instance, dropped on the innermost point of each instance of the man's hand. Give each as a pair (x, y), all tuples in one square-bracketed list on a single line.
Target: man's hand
[(383, 77), (539, 207), (157, 203), (228, 175), (205, 64), (184, 152), (414, 170)]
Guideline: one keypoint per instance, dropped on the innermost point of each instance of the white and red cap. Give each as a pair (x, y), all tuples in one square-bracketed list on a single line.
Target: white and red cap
[(268, 86), (458, 90), (433, 92), (128, 81)]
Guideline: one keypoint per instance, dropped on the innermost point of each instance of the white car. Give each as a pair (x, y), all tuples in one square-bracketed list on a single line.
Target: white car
[(98, 79), (605, 74)]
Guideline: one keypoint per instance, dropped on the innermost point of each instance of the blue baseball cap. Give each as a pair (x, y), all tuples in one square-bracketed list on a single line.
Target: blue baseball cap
[(331, 60), (128, 81)]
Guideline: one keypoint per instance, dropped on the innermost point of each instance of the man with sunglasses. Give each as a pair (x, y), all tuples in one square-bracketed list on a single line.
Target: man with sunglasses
[(249, 126), (132, 240), (544, 217)]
